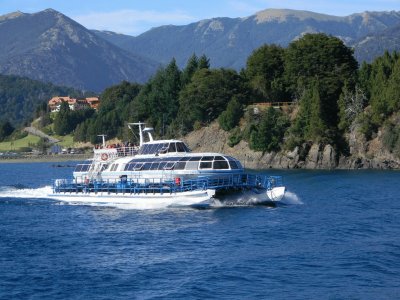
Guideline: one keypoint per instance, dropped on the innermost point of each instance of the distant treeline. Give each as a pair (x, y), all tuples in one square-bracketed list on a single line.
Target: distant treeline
[(20, 96), (332, 95)]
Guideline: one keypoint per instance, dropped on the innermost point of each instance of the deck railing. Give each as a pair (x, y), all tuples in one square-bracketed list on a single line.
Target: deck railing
[(156, 185)]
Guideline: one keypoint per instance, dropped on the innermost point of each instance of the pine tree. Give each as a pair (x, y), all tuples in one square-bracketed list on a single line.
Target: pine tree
[(204, 62), (62, 124), (191, 67), (231, 116)]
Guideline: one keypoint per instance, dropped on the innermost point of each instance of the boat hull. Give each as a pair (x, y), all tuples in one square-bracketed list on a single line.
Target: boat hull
[(252, 196), (141, 200)]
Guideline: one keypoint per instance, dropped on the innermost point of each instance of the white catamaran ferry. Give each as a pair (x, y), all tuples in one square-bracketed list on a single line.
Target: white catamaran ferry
[(163, 172)]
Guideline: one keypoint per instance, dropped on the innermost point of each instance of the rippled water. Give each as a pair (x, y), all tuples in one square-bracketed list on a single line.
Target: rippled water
[(337, 237)]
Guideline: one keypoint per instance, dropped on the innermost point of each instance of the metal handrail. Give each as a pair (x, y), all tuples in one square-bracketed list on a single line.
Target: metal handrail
[(157, 185)]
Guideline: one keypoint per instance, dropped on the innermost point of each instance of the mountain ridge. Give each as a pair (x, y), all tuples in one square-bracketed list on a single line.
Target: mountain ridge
[(51, 47), (229, 41)]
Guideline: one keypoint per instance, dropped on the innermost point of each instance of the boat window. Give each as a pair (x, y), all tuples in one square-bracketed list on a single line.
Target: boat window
[(205, 165), (113, 168), (138, 167), (82, 168), (153, 149), (207, 158), (154, 166), (142, 149), (186, 148), (169, 166), (146, 166), (180, 165), (175, 158), (233, 164), (162, 165), (159, 147), (192, 165), (85, 168), (219, 158), (104, 167), (180, 147), (220, 164), (195, 158), (172, 147), (164, 148), (148, 149), (239, 164)]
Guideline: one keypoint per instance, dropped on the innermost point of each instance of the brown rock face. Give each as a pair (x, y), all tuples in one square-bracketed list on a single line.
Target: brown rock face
[(363, 155)]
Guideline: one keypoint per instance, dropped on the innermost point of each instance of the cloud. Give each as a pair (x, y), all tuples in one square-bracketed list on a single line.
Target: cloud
[(132, 22)]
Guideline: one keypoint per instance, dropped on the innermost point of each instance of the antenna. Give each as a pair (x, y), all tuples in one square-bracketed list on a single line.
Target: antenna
[(140, 130), (103, 138)]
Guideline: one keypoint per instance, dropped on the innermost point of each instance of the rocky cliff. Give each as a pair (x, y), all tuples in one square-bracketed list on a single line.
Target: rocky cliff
[(363, 154)]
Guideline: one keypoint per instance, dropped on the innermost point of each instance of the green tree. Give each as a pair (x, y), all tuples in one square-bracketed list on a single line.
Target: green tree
[(317, 67), (191, 67), (382, 88), (207, 96), (231, 116), (265, 69), (204, 62), (268, 135), (6, 129), (158, 101), (62, 124)]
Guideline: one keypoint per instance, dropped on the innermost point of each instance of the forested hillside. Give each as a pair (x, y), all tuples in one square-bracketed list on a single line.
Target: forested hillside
[(20, 96), (332, 97)]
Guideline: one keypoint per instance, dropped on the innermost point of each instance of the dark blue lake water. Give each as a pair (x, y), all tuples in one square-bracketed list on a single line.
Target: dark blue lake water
[(338, 237)]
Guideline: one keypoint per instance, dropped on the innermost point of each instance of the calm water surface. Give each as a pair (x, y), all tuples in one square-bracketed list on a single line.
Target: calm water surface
[(337, 237)]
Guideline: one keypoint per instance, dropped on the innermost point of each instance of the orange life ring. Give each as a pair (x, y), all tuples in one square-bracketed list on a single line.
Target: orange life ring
[(104, 156)]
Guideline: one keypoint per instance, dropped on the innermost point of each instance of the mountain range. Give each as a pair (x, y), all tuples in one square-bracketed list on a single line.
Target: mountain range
[(51, 47), (228, 42)]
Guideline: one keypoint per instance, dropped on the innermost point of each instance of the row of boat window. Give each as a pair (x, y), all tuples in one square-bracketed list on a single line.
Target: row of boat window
[(183, 163), (82, 168), (174, 163), (163, 148)]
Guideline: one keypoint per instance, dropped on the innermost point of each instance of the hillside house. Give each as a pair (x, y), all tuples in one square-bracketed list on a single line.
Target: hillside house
[(74, 104), (93, 102)]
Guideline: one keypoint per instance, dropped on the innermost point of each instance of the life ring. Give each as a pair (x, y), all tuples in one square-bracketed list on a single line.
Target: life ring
[(104, 156)]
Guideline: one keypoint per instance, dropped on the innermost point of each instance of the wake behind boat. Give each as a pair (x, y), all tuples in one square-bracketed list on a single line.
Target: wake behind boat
[(163, 172)]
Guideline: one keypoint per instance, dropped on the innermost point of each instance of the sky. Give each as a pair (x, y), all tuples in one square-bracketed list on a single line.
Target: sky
[(134, 17)]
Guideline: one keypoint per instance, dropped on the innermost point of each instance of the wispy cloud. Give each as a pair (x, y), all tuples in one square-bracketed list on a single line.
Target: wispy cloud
[(132, 22)]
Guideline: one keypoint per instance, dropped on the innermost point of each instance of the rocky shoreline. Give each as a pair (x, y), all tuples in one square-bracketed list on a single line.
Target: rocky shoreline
[(363, 155)]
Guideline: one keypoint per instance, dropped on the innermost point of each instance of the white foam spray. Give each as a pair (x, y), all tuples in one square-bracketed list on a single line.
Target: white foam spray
[(12, 192), (291, 198)]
